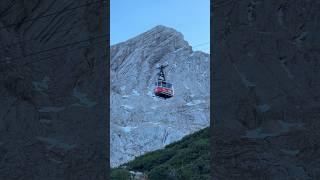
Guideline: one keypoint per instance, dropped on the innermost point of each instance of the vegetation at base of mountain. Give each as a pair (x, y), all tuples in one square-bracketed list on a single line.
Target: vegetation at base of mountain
[(186, 159), (120, 174)]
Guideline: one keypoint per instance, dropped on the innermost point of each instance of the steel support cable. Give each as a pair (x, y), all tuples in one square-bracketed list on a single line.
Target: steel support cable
[(202, 49), (201, 44)]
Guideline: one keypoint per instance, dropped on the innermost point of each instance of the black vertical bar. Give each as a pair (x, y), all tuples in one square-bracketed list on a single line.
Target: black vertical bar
[(107, 90), (212, 117)]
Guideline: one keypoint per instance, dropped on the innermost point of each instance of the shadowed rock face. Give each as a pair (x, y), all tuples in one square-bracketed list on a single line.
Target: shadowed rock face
[(266, 87), (51, 90), (141, 122)]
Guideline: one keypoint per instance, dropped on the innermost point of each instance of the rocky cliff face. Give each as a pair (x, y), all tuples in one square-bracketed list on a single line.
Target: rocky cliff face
[(266, 87), (52, 98), (141, 122)]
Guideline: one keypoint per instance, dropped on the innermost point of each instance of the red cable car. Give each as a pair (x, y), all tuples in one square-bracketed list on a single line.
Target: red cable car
[(162, 88)]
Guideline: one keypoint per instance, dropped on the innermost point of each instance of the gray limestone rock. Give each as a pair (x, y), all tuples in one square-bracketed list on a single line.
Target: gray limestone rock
[(140, 122)]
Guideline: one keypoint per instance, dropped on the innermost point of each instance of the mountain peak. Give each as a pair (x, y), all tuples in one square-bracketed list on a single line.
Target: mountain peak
[(163, 29), (158, 36)]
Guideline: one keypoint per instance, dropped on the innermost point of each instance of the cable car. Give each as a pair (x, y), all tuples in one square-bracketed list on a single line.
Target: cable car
[(162, 88)]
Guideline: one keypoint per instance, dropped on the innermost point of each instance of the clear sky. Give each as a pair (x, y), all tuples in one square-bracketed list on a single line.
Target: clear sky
[(190, 17)]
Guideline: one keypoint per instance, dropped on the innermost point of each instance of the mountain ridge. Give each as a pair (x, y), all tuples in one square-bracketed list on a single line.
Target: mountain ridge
[(133, 72), (156, 32)]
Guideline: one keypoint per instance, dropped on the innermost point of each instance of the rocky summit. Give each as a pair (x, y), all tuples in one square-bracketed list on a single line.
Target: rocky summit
[(141, 122)]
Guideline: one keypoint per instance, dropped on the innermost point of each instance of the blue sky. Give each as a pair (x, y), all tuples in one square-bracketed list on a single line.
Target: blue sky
[(190, 17)]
